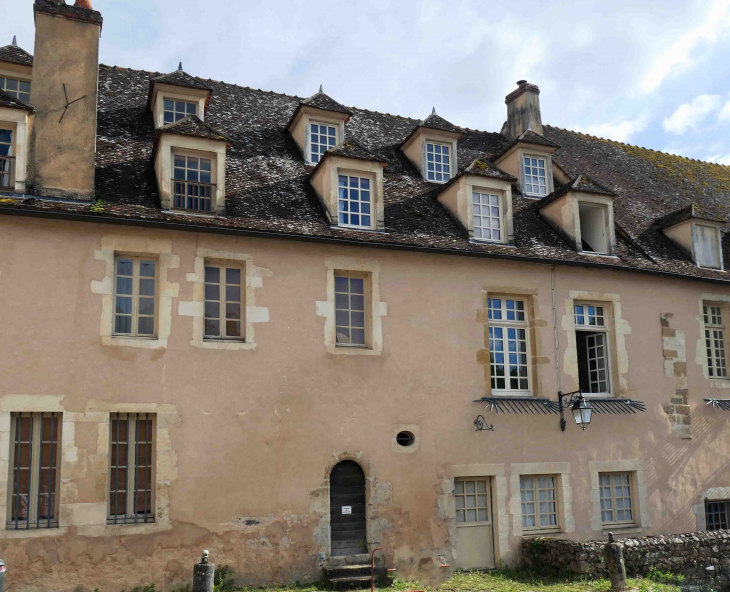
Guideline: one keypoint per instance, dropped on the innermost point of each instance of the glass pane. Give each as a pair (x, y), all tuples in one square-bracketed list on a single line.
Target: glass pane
[(146, 306), (212, 328), (233, 293), (469, 486), (233, 328), (212, 310), (233, 276), (233, 311), (146, 326), (123, 324), (212, 292), (147, 268), (212, 274), (146, 287), (459, 487)]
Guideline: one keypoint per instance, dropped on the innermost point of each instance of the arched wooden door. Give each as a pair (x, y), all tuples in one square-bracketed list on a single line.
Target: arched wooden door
[(347, 509)]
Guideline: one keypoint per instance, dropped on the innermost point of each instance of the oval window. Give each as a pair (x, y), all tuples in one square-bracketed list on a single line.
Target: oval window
[(405, 438)]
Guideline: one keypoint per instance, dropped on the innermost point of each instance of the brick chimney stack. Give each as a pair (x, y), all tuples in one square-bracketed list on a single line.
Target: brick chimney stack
[(62, 150), (523, 110)]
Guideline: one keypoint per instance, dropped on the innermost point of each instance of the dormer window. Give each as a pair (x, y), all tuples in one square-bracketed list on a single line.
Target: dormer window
[(488, 223), (706, 240), (698, 232), (321, 138), (20, 89), (176, 110), (355, 201), (193, 183), (534, 178), (438, 162), (6, 159), (593, 227)]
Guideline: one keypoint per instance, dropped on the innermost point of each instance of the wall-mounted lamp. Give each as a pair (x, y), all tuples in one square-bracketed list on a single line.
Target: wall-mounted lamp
[(581, 408)]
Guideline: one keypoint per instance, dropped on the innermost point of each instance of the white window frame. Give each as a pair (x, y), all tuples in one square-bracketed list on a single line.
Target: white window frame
[(537, 502), (175, 111), (136, 259), (491, 195), (505, 325), (603, 208), (15, 93), (223, 293), (7, 170), (329, 145), (360, 176), (450, 164), (523, 174), (696, 249), (614, 498), (714, 328), (32, 520), (595, 328), (366, 305), (211, 185), (463, 507), (129, 515)]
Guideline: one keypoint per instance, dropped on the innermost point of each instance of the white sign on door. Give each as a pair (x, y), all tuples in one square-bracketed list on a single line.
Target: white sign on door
[(347, 509)]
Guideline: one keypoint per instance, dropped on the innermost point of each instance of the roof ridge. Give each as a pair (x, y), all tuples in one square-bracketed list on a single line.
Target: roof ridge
[(562, 129)]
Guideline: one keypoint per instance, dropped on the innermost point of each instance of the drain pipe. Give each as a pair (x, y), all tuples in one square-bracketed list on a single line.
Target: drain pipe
[(555, 328)]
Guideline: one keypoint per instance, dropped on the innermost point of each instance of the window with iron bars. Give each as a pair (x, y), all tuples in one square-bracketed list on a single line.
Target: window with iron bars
[(193, 186), (716, 514), (131, 468), (34, 461)]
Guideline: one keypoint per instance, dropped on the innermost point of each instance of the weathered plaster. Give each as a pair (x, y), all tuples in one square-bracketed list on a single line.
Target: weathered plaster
[(639, 492), (675, 366), (378, 309), (196, 307), (564, 493), (701, 349), (161, 249)]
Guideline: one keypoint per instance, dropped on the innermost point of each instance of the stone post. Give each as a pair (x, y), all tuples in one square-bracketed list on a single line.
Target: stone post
[(614, 553), (203, 573)]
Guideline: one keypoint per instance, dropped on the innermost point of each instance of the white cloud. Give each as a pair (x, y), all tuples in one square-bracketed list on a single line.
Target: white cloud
[(719, 159), (690, 115), (725, 113), (621, 131)]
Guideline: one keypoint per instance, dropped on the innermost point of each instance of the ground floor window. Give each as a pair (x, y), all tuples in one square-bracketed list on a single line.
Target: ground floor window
[(472, 500), (616, 498), (716, 514), (538, 502)]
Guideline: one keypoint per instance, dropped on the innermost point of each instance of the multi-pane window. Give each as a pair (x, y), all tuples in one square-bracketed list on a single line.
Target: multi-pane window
[(592, 343), (20, 89), (508, 344), (350, 310), (34, 461), (223, 302), (472, 500), (6, 157), (716, 514), (715, 341), (354, 201), (193, 182), (539, 505), (615, 496), (131, 468), (321, 138), (535, 179), (487, 216), (438, 162), (177, 110), (134, 296)]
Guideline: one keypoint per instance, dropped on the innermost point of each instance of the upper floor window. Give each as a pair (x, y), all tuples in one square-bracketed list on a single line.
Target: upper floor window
[(355, 200), (716, 514), (17, 88), (706, 240), (472, 500), (6, 158), (487, 216), (715, 341), (616, 498), (593, 227), (223, 302), (591, 336), (34, 461), (508, 349), (535, 176), (193, 183), (321, 138), (175, 110), (438, 162), (539, 503), (134, 296), (350, 307)]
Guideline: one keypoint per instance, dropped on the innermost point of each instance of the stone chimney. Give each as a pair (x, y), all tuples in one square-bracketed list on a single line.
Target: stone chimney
[(523, 110), (62, 150)]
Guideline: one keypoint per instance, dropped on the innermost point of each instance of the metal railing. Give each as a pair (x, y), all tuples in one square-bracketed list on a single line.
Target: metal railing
[(7, 172), (192, 195)]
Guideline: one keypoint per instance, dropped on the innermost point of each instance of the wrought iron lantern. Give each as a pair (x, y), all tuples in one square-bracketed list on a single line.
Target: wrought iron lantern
[(582, 411)]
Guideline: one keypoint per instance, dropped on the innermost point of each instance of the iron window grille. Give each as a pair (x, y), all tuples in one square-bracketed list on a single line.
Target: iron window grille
[(135, 292), (34, 458), (508, 345), (354, 201), (176, 110), (616, 498), (321, 138), (538, 502), (716, 514), (535, 175), (223, 302), (591, 338), (472, 500), (350, 317), (131, 468), (487, 216), (715, 341), (438, 162), (193, 186), (20, 89)]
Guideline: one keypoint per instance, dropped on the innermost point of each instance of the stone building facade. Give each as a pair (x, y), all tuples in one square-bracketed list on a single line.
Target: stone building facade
[(266, 325)]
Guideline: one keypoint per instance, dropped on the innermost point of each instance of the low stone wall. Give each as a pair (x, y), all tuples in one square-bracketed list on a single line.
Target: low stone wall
[(702, 557)]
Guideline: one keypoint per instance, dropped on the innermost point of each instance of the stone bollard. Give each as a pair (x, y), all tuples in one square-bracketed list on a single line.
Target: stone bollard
[(203, 573), (614, 553)]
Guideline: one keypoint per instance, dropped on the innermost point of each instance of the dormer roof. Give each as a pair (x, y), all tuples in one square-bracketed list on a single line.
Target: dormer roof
[(352, 150), (322, 101), (693, 211), (178, 78), (15, 55), (434, 122), (527, 137), (9, 101), (582, 183), (191, 126)]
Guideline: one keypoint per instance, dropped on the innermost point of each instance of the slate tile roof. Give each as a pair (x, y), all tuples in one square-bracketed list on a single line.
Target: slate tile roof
[(192, 126), (321, 100), (180, 78), (693, 210), (8, 100), (15, 55), (268, 191), (580, 183)]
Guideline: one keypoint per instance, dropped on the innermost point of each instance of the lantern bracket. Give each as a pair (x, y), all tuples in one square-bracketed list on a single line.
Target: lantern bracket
[(571, 398)]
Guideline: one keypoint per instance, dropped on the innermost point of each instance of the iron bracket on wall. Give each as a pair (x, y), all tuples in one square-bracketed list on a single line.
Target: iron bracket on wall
[(482, 425)]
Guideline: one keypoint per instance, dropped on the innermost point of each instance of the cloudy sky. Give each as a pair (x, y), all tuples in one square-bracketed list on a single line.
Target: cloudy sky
[(652, 73)]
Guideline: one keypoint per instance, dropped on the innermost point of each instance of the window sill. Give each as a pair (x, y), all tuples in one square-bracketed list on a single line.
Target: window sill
[(138, 342), (33, 533), (192, 213), (515, 394), (223, 344), (599, 255), (352, 350), (472, 524), (621, 529), (344, 227), (540, 533), (481, 241)]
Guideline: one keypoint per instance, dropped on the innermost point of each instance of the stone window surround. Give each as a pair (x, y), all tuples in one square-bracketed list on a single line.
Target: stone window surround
[(616, 334), (89, 518), (563, 491), (377, 310), (500, 515), (712, 494), (549, 183), (160, 249), (497, 187), (17, 121), (639, 496), (167, 91), (701, 354), (195, 308)]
